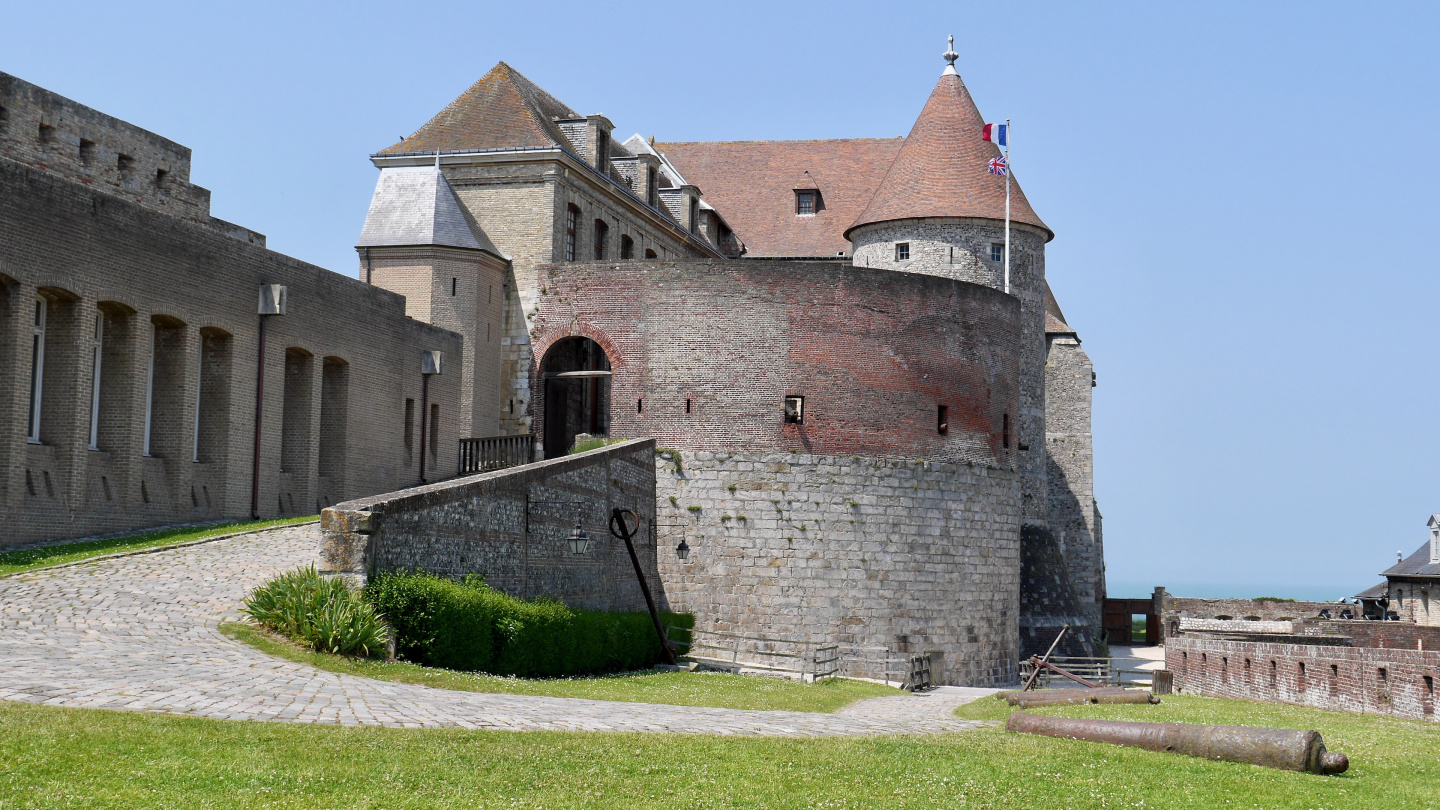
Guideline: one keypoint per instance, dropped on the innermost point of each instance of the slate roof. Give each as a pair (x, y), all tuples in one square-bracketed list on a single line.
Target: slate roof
[(752, 183), (1054, 318), (944, 168), (1416, 565), (1376, 591), (415, 205), (502, 110)]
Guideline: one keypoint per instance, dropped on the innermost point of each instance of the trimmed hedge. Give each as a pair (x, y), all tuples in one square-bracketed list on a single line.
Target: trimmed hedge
[(467, 625)]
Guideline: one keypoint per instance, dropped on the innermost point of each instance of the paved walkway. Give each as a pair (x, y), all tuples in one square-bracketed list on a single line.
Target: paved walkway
[(139, 633)]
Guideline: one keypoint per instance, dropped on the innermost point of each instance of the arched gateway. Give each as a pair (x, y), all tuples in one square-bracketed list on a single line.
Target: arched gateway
[(576, 375)]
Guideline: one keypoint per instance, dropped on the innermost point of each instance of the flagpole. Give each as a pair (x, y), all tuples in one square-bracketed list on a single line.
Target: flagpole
[(1007, 205)]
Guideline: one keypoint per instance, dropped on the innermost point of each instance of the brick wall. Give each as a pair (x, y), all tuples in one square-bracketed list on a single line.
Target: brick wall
[(1370, 680), (1173, 607), (507, 526), (85, 252), (874, 354), (863, 525)]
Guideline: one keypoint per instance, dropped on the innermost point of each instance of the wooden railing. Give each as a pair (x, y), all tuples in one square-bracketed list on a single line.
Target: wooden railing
[(495, 453)]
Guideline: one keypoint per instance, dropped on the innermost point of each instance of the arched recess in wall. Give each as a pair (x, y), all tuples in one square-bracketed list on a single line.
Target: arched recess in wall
[(334, 416), (166, 414), (115, 364), (55, 321), (212, 402), (576, 376), (295, 411)]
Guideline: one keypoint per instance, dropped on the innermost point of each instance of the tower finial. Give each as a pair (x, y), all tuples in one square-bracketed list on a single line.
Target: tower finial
[(950, 56)]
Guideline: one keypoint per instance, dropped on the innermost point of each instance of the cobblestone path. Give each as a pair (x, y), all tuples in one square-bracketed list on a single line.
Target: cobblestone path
[(139, 633)]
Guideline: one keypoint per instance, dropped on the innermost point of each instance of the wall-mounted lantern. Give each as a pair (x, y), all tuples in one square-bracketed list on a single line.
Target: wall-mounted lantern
[(683, 550), (579, 541)]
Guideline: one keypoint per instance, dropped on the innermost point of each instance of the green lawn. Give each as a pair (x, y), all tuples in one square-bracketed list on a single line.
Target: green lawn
[(84, 758), (24, 560), (673, 688)]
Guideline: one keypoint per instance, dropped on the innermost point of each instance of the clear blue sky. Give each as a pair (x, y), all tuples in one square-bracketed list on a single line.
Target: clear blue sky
[(1242, 196)]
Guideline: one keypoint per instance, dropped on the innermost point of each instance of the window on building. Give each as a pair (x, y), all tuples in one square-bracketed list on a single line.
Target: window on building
[(997, 252), (902, 251), (942, 420), (47, 134), (652, 190), (795, 410), (409, 431), (602, 233), (97, 358), (37, 370), (1005, 431), (162, 179), (454, 285), (694, 215), (87, 151), (627, 247), (572, 221), (125, 165), (649, 254), (804, 203)]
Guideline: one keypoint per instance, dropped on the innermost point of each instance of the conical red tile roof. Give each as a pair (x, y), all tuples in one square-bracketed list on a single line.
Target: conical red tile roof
[(943, 170)]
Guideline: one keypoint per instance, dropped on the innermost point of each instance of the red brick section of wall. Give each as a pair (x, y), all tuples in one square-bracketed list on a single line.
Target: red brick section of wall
[(874, 353), (1387, 635), (1358, 679)]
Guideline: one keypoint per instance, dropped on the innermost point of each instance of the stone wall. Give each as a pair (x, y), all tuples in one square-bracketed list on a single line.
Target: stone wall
[(1074, 518), (149, 282), (850, 550), (1371, 680), (512, 527), (1174, 607)]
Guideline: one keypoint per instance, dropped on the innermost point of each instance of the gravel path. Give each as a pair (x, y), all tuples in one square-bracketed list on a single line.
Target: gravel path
[(139, 633)]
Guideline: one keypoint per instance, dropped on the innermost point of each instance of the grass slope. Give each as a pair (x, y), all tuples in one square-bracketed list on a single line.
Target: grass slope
[(87, 758), (12, 562), (672, 688)]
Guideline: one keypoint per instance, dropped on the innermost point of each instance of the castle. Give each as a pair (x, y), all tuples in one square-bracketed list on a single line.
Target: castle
[(869, 435)]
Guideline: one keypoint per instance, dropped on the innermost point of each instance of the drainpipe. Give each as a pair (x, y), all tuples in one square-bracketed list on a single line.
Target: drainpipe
[(429, 365), (272, 302)]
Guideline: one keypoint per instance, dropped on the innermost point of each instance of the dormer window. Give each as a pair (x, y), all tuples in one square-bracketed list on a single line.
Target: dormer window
[(804, 203)]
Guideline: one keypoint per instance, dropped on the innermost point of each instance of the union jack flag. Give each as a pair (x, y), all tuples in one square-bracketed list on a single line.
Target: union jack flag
[(998, 166)]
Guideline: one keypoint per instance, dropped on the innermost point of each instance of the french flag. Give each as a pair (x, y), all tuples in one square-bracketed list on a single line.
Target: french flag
[(995, 133)]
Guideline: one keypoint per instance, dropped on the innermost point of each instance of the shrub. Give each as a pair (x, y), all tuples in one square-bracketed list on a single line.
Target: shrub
[(469, 626), (321, 613)]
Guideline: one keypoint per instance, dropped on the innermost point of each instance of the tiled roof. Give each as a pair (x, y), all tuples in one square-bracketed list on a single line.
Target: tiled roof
[(504, 109), (1054, 318), (415, 206), (944, 168), (1416, 565), (752, 184), (1375, 591)]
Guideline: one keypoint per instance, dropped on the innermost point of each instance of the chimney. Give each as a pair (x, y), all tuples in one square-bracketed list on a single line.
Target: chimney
[(597, 141)]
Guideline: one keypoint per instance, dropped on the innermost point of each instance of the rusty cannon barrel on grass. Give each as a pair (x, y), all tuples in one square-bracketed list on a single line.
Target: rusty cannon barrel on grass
[(1065, 697), (1287, 749)]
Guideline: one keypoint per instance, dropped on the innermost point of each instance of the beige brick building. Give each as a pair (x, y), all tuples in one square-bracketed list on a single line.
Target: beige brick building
[(130, 338)]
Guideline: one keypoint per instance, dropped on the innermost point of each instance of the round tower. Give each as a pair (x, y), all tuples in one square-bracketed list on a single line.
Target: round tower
[(941, 211)]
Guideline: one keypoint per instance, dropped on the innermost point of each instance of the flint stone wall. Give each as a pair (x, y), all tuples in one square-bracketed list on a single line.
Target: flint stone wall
[(1369, 680), (478, 525), (849, 550)]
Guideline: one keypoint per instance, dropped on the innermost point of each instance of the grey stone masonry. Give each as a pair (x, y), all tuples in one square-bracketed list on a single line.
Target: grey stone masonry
[(862, 552), (511, 526), (1074, 516)]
